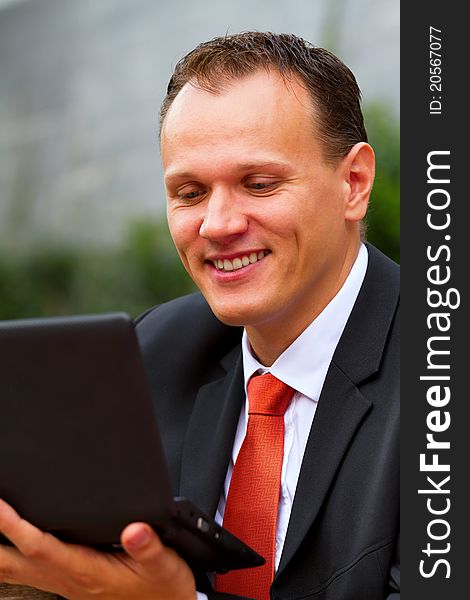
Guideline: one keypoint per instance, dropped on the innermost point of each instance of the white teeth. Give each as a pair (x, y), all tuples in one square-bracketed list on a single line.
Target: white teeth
[(239, 262)]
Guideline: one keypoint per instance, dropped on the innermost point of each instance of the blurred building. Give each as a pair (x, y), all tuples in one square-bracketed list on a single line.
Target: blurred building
[(81, 82)]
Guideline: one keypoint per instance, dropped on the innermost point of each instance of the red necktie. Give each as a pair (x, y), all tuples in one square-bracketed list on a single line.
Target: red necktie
[(253, 497)]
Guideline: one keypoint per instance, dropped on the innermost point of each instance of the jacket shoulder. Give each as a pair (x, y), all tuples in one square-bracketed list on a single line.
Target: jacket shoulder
[(184, 333)]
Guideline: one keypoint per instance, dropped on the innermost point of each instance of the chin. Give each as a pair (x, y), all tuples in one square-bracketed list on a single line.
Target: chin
[(229, 318), (234, 316)]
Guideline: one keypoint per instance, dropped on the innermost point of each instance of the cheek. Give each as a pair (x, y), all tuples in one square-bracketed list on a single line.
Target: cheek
[(181, 231), (185, 235)]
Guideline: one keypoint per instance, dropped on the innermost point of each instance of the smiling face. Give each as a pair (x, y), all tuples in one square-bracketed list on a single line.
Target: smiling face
[(263, 225)]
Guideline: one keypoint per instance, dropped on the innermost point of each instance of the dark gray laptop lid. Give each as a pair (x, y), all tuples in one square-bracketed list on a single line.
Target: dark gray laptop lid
[(56, 374)]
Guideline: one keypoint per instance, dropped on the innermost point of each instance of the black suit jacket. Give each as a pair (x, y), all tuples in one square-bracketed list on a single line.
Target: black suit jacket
[(342, 535)]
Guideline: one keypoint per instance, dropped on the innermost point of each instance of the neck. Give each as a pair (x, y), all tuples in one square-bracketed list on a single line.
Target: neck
[(268, 345)]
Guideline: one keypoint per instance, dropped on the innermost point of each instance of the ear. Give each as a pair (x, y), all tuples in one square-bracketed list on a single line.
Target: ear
[(358, 172)]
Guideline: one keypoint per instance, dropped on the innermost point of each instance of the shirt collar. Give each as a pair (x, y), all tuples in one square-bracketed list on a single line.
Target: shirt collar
[(304, 364)]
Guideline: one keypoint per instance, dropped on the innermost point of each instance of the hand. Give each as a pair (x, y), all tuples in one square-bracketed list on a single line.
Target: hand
[(146, 570)]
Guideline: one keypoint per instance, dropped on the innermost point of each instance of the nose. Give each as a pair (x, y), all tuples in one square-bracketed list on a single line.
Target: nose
[(223, 217)]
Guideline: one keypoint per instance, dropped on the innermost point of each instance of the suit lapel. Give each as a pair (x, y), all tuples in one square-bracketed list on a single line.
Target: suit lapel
[(342, 407), (211, 431), (340, 410)]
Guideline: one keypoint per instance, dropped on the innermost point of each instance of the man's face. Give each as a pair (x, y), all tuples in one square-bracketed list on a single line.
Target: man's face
[(256, 214)]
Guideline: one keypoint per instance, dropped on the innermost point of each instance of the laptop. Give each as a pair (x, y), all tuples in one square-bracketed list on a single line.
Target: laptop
[(80, 450)]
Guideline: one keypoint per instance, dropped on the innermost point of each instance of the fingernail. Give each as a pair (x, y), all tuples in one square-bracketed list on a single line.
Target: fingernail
[(140, 538)]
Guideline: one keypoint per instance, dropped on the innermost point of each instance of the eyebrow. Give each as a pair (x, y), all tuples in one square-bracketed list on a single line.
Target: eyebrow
[(260, 164), (248, 166)]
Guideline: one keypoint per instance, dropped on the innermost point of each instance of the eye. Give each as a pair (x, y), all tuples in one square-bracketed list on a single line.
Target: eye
[(189, 195), (261, 186)]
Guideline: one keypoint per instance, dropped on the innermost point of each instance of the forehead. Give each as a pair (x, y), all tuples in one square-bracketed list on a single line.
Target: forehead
[(262, 110)]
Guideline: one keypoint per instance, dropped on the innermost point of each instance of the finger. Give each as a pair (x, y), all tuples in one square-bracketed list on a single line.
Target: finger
[(20, 533), (16, 569), (20, 565), (143, 545), (9, 564), (41, 547), (160, 566)]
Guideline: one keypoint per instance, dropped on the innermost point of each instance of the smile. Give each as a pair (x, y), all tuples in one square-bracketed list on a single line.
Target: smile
[(244, 260)]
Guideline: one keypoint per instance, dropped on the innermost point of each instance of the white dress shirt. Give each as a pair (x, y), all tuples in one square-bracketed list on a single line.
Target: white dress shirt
[(303, 366)]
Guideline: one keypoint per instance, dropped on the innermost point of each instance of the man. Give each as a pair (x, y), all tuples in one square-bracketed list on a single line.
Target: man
[(268, 174)]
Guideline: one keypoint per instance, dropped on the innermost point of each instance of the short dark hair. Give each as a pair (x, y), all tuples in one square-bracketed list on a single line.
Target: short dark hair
[(332, 86)]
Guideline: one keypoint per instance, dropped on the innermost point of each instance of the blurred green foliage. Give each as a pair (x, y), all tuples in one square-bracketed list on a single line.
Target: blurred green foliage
[(58, 279), (55, 279), (383, 216)]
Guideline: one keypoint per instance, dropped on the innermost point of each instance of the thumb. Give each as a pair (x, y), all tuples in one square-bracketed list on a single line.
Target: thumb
[(142, 544), (170, 575)]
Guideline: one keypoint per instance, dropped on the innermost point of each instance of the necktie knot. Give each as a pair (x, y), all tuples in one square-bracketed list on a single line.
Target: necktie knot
[(267, 395)]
